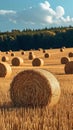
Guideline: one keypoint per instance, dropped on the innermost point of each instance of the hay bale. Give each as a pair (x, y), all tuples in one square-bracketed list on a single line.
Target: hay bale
[(46, 55), (64, 60), (31, 56), (7, 52), (61, 49), (5, 58), (17, 61), (5, 70), (69, 67), (44, 51), (37, 62), (70, 54), (22, 53), (35, 88), (12, 54)]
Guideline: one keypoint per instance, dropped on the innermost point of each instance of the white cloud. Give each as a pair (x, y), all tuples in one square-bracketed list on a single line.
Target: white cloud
[(42, 15), (59, 11), (4, 12)]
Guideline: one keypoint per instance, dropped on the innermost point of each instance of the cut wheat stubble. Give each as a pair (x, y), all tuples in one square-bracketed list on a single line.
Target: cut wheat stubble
[(35, 88)]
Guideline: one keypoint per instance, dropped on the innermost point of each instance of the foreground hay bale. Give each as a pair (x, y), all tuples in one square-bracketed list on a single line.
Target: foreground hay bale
[(17, 61), (46, 55), (37, 62), (69, 68), (5, 58), (64, 60), (70, 54), (35, 88), (5, 70)]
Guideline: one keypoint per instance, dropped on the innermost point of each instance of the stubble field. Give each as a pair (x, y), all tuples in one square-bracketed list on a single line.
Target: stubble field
[(59, 117)]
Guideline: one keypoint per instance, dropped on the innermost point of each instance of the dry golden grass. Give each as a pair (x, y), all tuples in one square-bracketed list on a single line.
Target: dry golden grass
[(59, 117)]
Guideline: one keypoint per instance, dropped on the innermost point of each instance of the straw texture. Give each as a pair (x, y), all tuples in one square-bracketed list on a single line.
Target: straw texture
[(35, 88)]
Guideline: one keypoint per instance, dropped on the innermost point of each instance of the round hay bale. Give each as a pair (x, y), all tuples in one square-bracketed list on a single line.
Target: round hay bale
[(64, 60), (69, 67), (7, 52), (31, 56), (12, 54), (22, 53), (31, 53), (35, 88), (62, 49), (44, 51), (70, 54), (5, 58), (17, 61), (46, 55), (37, 62), (5, 70)]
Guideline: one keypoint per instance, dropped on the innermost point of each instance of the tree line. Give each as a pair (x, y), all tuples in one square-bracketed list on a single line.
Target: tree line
[(34, 39)]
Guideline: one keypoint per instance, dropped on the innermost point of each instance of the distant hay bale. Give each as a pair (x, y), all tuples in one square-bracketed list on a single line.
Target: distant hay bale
[(37, 62), (31, 56), (64, 60), (70, 54), (5, 70), (5, 58), (22, 53), (7, 52), (46, 55), (40, 49), (69, 67), (31, 53), (44, 50), (17, 61), (62, 49), (35, 88), (12, 54)]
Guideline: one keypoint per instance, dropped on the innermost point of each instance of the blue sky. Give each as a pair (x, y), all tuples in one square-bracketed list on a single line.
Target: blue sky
[(35, 14)]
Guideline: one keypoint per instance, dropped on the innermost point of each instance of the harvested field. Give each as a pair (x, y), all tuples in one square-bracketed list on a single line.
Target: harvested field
[(58, 117)]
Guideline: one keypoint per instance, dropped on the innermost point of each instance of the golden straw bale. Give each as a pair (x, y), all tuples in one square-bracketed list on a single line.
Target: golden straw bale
[(12, 54), (22, 53), (5, 70), (37, 62), (70, 54), (7, 52), (31, 56), (31, 53), (62, 49), (17, 61), (69, 67), (5, 58), (46, 55), (64, 60), (44, 50), (35, 88)]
